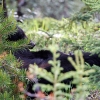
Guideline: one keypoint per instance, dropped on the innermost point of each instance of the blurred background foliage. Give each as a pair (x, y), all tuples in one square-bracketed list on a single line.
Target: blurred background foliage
[(47, 8)]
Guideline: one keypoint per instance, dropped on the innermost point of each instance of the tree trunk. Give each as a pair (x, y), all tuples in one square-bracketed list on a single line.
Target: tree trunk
[(4, 8)]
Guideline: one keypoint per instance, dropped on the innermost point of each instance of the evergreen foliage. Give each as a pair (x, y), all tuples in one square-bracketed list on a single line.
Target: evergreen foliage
[(10, 74), (93, 4), (8, 26), (60, 89)]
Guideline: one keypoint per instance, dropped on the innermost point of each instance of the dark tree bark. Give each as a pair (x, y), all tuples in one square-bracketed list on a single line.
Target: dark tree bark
[(20, 3), (4, 8)]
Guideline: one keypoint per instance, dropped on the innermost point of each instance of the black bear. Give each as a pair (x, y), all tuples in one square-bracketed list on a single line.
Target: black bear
[(18, 35), (42, 57)]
